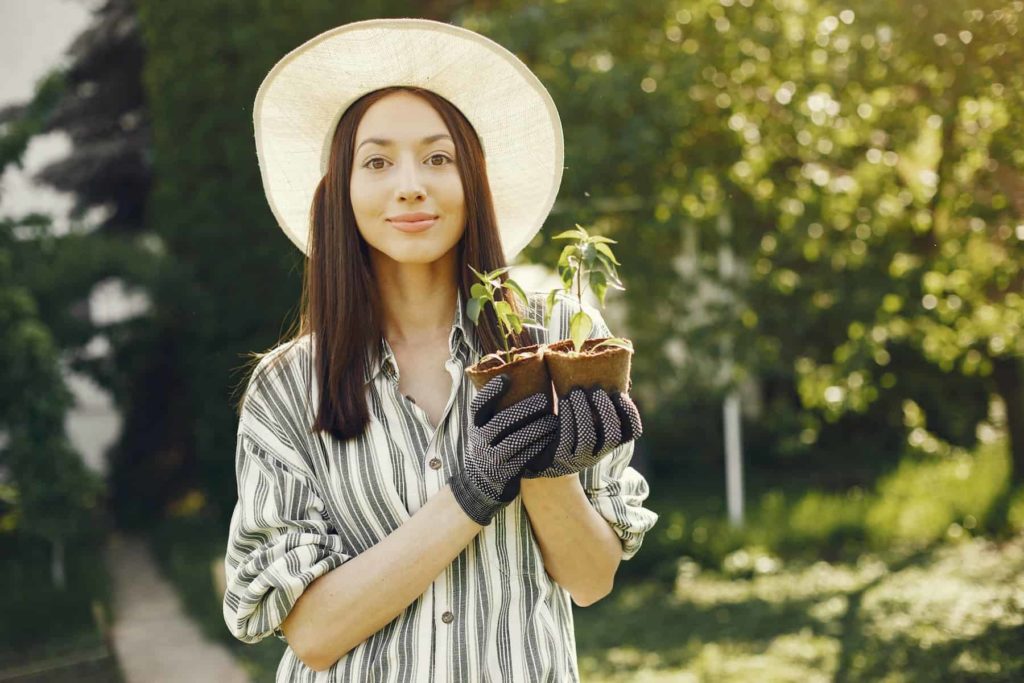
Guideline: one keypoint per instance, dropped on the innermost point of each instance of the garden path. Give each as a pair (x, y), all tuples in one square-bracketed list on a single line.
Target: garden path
[(154, 640)]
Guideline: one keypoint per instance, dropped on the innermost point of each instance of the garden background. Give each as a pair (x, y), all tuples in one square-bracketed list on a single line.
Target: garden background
[(818, 207)]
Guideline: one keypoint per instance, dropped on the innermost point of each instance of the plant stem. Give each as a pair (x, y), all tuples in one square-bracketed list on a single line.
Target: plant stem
[(579, 292), (579, 285)]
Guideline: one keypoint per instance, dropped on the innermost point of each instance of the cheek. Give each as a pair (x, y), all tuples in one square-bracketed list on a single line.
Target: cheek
[(366, 210), (360, 196), (455, 199)]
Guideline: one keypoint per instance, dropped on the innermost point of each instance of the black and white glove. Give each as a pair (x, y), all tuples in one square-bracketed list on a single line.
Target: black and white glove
[(591, 423), (501, 443)]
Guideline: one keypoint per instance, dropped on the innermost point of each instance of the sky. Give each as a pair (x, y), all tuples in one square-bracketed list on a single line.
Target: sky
[(33, 37)]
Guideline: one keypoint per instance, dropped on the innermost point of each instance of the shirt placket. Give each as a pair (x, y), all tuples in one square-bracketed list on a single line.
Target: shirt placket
[(444, 612), (436, 478)]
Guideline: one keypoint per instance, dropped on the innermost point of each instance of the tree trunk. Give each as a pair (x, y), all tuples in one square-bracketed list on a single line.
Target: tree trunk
[(1009, 378)]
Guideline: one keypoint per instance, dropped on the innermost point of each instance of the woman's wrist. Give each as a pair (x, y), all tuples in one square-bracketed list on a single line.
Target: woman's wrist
[(477, 507)]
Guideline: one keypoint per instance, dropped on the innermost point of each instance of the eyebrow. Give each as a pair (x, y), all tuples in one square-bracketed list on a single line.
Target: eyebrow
[(383, 142)]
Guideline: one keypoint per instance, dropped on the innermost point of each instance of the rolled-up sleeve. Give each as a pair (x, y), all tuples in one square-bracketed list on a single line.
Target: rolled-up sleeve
[(616, 490), (280, 538)]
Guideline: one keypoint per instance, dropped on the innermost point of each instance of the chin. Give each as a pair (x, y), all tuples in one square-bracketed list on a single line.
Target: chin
[(414, 254)]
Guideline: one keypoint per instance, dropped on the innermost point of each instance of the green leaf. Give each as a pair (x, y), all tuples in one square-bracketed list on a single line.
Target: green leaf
[(516, 322), (583, 231), (609, 268), (514, 286), (493, 279), (599, 284), (607, 251), (550, 306), (567, 275), (589, 255), (478, 291), (567, 251), (616, 341), (567, 235), (473, 310), (579, 328), (503, 310), (602, 239)]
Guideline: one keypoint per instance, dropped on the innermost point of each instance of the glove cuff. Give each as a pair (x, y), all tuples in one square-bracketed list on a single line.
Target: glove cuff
[(479, 508)]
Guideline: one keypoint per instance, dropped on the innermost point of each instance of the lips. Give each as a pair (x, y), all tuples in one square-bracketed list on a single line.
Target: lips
[(413, 222), (411, 217)]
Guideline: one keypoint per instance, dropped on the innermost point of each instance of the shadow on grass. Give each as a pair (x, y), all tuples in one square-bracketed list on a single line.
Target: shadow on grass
[(645, 618), (850, 637), (995, 654), (817, 623)]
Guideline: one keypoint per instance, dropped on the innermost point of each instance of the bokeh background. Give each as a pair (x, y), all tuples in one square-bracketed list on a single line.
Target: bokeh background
[(819, 211)]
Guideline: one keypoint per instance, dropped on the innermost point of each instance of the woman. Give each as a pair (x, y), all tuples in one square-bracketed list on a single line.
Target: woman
[(395, 526)]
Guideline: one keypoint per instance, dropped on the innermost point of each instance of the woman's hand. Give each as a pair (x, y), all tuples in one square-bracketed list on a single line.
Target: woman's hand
[(591, 423), (501, 443)]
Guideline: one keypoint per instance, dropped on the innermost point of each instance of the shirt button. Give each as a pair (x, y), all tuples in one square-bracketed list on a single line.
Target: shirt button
[(447, 617), (435, 463)]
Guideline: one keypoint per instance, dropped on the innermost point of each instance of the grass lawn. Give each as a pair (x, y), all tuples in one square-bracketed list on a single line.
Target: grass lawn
[(48, 633), (900, 582), (954, 612)]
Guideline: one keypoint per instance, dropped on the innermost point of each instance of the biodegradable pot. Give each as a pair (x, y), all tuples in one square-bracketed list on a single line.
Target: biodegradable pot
[(607, 367), (529, 374)]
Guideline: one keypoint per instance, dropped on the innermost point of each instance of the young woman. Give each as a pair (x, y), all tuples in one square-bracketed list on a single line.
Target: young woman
[(392, 524)]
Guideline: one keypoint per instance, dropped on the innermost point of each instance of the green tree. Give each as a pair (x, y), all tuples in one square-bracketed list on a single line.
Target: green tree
[(47, 492), (860, 163), (230, 277), (97, 102)]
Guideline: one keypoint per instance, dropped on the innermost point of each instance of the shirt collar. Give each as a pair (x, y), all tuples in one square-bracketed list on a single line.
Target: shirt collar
[(462, 341)]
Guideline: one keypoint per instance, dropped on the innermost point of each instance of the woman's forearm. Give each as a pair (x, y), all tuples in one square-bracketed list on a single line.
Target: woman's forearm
[(581, 552), (346, 606)]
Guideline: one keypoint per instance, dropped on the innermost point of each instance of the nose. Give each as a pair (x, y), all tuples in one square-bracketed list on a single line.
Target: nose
[(410, 185)]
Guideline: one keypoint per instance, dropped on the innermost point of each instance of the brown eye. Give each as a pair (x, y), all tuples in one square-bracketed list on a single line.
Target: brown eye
[(443, 156)]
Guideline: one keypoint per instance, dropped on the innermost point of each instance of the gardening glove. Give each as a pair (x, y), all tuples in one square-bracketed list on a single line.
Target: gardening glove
[(501, 443), (591, 423)]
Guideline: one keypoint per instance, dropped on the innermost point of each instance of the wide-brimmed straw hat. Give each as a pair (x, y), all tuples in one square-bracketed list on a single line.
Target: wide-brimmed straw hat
[(304, 95)]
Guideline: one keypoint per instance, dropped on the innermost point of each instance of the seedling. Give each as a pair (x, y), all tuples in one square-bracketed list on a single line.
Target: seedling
[(588, 258), (483, 293)]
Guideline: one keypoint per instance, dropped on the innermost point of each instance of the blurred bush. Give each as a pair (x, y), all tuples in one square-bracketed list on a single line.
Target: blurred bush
[(926, 499)]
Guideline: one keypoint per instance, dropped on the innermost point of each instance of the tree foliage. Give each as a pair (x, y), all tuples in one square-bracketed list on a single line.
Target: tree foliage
[(859, 161)]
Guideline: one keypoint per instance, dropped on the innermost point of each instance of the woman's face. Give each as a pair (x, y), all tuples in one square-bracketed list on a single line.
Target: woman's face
[(404, 163)]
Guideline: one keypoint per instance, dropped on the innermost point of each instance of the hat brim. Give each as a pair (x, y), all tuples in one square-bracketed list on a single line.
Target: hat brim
[(304, 95)]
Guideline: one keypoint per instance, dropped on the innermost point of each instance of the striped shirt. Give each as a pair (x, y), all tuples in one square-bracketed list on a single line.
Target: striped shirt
[(308, 502)]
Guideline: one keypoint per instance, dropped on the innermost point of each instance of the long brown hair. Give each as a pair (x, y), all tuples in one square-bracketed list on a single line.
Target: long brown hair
[(340, 300)]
